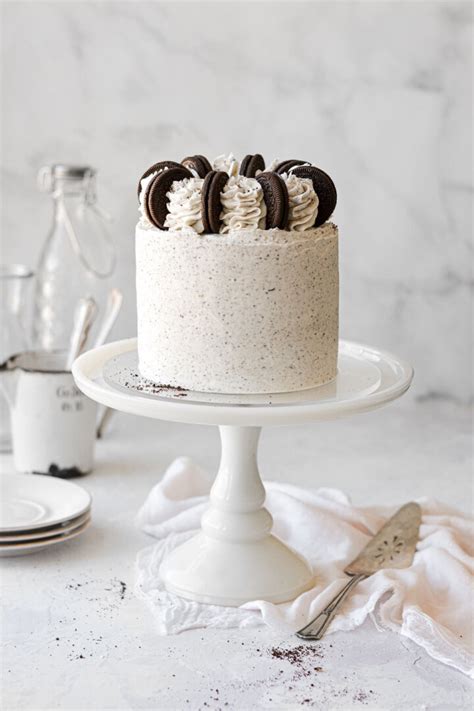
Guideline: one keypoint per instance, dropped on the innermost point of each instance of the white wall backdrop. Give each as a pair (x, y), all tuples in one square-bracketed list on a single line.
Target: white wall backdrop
[(377, 93)]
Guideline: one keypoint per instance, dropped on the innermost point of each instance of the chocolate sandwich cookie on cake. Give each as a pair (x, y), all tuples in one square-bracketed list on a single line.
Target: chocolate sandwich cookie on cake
[(237, 275)]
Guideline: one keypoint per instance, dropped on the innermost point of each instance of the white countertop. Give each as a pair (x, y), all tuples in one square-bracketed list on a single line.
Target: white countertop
[(76, 637)]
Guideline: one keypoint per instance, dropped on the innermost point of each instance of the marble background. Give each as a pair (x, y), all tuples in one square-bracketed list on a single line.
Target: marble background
[(377, 93)]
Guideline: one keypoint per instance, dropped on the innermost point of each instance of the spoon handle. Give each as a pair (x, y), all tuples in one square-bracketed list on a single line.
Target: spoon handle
[(104, 420), (114, 304), (84, 316)]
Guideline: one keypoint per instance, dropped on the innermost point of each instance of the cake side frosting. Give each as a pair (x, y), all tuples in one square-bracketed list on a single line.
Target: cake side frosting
[(251, 311)]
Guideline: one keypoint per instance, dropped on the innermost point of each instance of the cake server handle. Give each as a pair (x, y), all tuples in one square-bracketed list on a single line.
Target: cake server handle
[(317, 627)]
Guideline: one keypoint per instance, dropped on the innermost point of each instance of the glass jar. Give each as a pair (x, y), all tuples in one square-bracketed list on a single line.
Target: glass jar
[(14, 282), (78, 257)]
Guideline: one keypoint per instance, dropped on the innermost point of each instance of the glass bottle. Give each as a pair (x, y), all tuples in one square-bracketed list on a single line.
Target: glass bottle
[(78, 257), (14, 283)]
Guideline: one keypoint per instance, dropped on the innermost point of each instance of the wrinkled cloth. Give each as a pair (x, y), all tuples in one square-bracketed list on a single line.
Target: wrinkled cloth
[(430, 602)]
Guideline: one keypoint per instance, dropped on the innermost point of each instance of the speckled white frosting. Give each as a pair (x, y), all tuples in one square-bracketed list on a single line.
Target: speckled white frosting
[(253, 311)]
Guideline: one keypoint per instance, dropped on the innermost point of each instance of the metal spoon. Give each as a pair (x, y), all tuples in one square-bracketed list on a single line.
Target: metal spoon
[(114, 304), (84, 316)]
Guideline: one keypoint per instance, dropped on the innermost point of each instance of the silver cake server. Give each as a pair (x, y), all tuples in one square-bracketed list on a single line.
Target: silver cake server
[(392, 547)]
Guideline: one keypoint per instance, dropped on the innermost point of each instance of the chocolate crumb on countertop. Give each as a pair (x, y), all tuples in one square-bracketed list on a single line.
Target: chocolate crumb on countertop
[(302, 657), (296, 655)]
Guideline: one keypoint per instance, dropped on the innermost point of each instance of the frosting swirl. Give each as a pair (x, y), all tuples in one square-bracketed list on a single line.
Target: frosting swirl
[(303, 203), (242, 203), (184, 205), (229, 164)]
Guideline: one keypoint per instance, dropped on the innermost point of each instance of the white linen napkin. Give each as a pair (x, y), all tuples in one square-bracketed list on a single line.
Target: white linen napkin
[(430, 602)]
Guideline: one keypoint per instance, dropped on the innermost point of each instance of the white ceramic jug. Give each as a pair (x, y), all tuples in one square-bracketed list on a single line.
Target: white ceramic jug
[(53, 423)]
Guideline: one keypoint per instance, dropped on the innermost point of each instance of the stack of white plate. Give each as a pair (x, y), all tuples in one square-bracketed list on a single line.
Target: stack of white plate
[(40, 511)]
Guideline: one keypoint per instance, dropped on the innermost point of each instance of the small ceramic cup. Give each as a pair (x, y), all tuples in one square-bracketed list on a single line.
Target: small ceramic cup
[(53, 423)]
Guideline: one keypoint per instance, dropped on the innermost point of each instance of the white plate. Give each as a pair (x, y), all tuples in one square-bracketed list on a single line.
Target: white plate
[(15, 549), (33, 501), (34, 535)]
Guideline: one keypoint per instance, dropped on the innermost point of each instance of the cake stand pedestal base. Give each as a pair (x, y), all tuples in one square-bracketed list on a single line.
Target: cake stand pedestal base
[(234, 558)]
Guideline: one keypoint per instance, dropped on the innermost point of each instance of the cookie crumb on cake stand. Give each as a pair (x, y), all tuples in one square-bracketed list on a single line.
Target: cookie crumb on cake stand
[(234, 558)]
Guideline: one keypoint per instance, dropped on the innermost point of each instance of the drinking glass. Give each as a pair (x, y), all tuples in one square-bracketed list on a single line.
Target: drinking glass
[(14, 283)]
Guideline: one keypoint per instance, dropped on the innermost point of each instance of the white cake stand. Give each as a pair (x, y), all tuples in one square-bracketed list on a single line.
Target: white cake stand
[(234, 558)]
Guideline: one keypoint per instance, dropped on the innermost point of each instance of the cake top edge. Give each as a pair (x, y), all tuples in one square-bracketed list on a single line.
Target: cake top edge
[(245, 237), (232, 196)]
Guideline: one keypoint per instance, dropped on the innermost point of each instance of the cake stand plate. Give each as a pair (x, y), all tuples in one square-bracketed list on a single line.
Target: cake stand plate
[(234, 558)]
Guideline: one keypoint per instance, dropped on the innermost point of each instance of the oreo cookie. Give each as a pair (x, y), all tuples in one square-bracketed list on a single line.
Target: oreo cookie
[(324, 189), (285, 165), (157, 168), (276, 199), (156, 203), (212, 187), (250, 164), (199, 164)]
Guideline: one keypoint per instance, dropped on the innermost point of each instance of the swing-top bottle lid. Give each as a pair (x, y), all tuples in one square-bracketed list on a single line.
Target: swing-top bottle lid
[(63, 171), (77, 172)]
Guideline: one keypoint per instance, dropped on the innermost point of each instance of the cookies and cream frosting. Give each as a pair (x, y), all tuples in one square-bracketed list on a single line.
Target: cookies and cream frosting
[(303, 203), (242, 204), (229, 164), (245, 312), (184, 205)]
